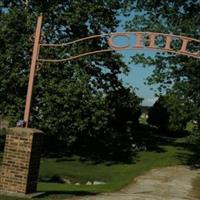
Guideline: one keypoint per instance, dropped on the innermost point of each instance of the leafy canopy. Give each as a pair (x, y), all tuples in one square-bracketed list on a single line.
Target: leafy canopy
[(175, 74), (72, 101)]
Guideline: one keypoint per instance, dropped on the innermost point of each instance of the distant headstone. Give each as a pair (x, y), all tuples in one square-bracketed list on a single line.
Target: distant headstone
[(98, 183), (89, 183), (67, 181)]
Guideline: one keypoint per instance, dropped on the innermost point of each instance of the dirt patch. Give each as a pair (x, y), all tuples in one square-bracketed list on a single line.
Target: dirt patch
[(196, 191)]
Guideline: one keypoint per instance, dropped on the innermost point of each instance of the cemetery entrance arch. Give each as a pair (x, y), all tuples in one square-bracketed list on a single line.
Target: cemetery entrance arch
[(131, 41), (20, 167)]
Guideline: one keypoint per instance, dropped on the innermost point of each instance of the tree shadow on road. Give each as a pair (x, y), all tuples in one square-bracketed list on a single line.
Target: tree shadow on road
[(65, 194)]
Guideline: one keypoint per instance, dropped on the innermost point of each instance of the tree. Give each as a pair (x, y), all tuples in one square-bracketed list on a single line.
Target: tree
[(175, 73), (168, 114), (64, 21), (123, 104), (158, 115), (114, 133), (69, 99)]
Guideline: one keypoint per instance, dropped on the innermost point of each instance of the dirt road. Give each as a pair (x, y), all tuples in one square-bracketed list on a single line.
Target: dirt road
[(169, 183)]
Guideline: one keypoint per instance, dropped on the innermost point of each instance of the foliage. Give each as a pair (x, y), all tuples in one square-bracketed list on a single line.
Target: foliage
[(63, 22), (194, 141), (69, 99), (168, 114), (112, 137), (2, 139), (158, 115), (177, 74)]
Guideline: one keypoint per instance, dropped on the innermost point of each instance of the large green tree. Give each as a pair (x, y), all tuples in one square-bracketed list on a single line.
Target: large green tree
[(168, 114), (63, 21), (70, 100), (175, 73)]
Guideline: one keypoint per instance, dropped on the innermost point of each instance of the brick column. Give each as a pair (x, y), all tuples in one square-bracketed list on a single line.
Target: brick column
[(21, 160)]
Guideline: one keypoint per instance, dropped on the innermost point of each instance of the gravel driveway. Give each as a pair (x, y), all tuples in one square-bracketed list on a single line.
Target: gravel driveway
[(169, 183)]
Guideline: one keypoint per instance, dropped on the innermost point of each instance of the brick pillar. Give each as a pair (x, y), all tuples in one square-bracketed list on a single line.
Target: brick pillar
[(21, 160)]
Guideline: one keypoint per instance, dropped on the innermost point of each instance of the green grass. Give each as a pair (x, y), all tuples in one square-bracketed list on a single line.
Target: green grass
[(190, 126), (115, 175), (143, 119)]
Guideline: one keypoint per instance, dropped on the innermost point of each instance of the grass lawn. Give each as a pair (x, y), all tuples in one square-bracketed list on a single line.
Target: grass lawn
[(115, 175), (190, 126)]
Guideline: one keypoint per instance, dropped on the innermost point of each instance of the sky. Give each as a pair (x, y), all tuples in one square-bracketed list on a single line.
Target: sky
[(137, 78), (138, 74)]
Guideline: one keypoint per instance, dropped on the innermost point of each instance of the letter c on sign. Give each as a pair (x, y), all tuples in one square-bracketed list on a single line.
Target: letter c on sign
[(118, 47)]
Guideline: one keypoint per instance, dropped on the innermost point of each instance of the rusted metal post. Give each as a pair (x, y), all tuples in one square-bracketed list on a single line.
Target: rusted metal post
[(36, 49)]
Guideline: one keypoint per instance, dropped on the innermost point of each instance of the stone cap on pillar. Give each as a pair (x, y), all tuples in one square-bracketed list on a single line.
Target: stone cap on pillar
[(20, 130)]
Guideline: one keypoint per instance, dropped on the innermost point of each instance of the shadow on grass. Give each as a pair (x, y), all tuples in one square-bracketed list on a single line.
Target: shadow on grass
[(190, 155), (191, 159), (66, 194), (145, 138), (154, 139)]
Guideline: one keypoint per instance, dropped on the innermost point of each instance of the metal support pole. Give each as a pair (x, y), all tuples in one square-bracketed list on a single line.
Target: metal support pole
[(36, 49)]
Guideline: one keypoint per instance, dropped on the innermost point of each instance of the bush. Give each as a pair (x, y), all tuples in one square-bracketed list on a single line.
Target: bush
[(111, 136), (168, 115), (159, 115), (100, 127), (2, 138), (194, 142)]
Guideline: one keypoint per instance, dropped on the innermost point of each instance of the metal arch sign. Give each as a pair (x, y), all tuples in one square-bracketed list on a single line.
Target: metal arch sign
[(139, 43), (143, 40)]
